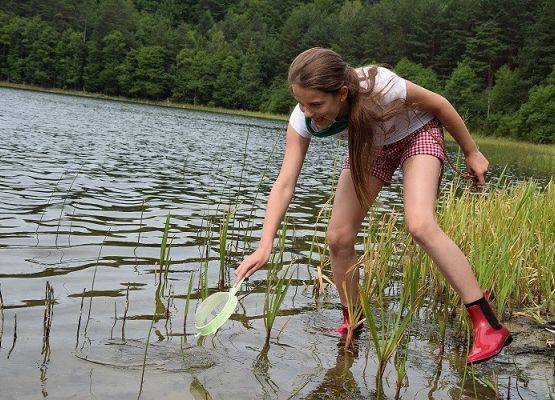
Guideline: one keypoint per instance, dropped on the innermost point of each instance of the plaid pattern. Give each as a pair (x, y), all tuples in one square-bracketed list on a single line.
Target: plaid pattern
[(420, 141)]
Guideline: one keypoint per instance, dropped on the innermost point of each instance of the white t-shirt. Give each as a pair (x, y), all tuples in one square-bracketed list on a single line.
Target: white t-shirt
[(395, 88)]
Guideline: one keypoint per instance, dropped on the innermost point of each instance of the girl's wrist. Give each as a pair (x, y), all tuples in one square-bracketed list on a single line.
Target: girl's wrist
[(265, 247), (470, 151)]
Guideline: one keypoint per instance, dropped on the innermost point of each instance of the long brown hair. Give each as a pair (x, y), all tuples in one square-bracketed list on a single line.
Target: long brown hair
[(323, 69)]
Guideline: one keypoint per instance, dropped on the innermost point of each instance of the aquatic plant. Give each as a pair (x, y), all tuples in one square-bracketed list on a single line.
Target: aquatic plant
[(115, 320), (321, 280), (14, 335), (62, 209), (187, 300), (224, 226), (527, 156), (80, 316), (47, 322), (356, 313), (276, 285), (164, 260), (125, 310), (205, 254), (93, 280), (384, 257), (160, 310)]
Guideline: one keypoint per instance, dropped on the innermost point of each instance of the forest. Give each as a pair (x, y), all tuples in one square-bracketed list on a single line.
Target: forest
[(493, 60)]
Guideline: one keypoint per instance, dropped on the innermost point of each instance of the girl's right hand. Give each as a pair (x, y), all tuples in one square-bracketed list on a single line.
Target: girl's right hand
[(251, 264)]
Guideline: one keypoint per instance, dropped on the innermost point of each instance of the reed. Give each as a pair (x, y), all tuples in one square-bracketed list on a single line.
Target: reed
[(115, 321), (48, 202), (93, 281), (400, 362), (164, 261), (160, 310), (205, 254), (259, 186), (277, 285), (224, 226), (390, 286), (528, 156), (321, 280), (47, 322), (14, 335), (140, 230), (125, 310), (187, 301), (62, 209), (79, 321)]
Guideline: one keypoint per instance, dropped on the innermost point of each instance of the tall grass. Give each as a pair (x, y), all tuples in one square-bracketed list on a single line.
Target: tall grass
[(507, 235), (539, 158)]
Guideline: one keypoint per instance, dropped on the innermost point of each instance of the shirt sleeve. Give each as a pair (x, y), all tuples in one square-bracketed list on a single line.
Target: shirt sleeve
[(297, 121), (391, 85)]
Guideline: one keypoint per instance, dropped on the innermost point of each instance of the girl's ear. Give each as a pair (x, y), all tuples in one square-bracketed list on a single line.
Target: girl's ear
[(343, 92)]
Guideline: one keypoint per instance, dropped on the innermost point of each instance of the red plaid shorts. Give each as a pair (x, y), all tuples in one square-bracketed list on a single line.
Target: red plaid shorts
[(422, 141)]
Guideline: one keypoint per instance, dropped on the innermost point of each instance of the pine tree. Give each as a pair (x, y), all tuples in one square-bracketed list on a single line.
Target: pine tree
[(227, 82), (144, 73), (70, 59), (537, 57), (509, 91), (114, 51), (485, 51)]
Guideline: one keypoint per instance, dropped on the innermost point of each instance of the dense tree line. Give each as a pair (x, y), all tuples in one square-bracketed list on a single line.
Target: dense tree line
[(493, 60)]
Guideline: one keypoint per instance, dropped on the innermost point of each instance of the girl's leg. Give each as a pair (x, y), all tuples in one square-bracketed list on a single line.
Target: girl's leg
[(421, 177), (346, 217), (420, 184)]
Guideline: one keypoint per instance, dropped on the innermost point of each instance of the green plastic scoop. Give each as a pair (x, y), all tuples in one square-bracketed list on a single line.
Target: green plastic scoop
[(215, 310)]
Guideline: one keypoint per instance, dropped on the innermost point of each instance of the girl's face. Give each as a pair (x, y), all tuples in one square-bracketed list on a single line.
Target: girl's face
[(321, 107)]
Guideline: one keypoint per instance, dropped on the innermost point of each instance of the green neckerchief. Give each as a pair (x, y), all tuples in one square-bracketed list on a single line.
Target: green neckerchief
[(336, 126)]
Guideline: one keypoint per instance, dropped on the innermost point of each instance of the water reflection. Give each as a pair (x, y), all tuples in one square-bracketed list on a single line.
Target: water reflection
[(339, 382)]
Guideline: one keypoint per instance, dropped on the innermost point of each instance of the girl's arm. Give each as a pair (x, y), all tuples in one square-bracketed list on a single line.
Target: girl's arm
[(280, 196), (426, 100)]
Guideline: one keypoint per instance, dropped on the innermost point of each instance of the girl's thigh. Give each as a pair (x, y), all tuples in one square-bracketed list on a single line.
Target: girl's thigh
[(347, 214)]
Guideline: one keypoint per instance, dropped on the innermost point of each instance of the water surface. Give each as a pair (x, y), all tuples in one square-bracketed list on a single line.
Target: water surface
[(86, 185)]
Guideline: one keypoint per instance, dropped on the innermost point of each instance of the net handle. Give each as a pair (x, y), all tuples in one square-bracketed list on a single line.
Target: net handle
[(235, 288)]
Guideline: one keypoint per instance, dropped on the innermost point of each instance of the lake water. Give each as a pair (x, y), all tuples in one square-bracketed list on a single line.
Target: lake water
[(85, 187)]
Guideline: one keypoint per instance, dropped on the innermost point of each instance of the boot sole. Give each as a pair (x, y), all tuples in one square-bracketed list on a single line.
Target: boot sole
[(507, 342)]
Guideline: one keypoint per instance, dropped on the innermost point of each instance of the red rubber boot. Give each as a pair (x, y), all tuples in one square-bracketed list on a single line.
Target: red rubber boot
[(489, 335), (341, 331), (343, 328)]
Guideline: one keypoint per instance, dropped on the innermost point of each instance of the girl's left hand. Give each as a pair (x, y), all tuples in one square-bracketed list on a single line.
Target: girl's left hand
[(477, 166)]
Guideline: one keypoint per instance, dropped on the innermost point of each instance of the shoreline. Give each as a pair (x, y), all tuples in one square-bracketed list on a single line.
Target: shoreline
[(480, 139), (161, 103)]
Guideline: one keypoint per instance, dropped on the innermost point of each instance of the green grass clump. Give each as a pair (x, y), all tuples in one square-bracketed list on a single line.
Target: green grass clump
[(508, 235)]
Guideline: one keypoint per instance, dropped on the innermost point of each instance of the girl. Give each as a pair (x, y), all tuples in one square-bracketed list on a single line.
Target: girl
[(389, 122)]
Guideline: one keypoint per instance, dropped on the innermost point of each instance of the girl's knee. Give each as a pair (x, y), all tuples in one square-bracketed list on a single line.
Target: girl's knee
[(340, 239), (421, 228)]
